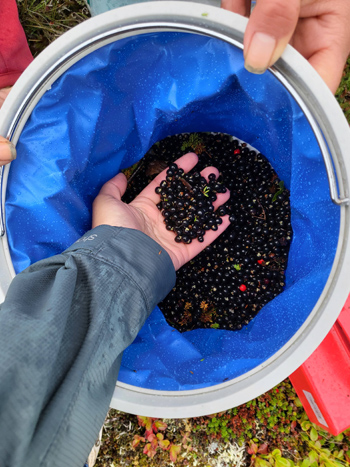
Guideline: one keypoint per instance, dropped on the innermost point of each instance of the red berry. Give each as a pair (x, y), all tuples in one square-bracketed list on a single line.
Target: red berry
[(242, 288), (237, 151), (260, 261)]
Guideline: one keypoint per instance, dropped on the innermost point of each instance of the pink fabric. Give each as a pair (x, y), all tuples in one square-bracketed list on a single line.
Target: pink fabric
[(15, 55)]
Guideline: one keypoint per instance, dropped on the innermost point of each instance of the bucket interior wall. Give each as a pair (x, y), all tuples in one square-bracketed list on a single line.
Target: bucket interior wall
[(103, 114)]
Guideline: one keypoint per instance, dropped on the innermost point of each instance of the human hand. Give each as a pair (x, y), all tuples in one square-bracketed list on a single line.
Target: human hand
[(7, 151), (142, 213), (318, 29), (4, 92)]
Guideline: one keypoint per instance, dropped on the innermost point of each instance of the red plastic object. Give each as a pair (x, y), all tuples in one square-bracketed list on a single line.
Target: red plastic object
[(322, 382)]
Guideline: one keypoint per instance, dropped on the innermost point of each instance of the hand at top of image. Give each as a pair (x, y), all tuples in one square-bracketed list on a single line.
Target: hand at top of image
[(142, 213), (318, 29)]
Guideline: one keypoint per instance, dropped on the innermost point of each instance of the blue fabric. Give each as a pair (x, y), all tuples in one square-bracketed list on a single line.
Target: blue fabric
[(103, 114)]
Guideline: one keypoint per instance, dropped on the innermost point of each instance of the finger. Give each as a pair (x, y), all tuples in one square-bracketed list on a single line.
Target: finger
[(329, 64), (115, 187), (210, 170), (269, 30), (4, 92), (325, 47), (186, 162), (7, 151), (221, 197), (242, 7), (210, 235)]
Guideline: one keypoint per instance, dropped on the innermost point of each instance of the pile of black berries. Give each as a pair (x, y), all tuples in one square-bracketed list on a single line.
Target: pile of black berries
[(186, 202), (227, 284)]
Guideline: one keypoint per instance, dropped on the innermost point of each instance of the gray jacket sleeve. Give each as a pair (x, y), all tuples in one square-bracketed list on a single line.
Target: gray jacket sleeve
[(63, 327)]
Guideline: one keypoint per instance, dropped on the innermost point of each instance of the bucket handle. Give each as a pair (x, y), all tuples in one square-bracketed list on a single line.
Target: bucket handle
[(2, 202), (332, 181)]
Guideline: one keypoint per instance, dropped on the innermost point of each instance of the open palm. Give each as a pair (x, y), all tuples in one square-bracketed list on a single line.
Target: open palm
[(142, 213)]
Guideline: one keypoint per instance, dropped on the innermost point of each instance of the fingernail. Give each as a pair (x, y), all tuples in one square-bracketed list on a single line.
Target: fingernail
[(8, 151), (259, 53)]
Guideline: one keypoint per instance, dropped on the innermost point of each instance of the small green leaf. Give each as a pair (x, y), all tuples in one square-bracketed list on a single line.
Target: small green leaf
[(206, 191), (276, 452), (204, 14), (305, 425), (282, 462), (259, 462), (337, 463), (202, 359), (305, 463), (215, 326), (297, 402), (279, 191), (340, 437), (237, 267), (313, 456), (313, 434)]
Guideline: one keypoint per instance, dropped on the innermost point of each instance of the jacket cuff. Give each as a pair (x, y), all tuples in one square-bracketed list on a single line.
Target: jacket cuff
[(133, 252)]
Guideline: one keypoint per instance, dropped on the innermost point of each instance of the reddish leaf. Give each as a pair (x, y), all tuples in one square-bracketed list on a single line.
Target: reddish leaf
[(145, 421), (159, 425), (163, 443), (174, 452), (153, 440), (263, 448), (149, 450), (137, 440), (293, 424), (253, 448)]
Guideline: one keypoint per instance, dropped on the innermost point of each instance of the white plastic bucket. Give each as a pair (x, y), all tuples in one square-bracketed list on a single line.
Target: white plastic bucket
[(330, 129)]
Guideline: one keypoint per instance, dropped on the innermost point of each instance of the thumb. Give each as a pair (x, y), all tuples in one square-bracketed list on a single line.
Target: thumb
[(269, 30), (7, 151), (115, 187)]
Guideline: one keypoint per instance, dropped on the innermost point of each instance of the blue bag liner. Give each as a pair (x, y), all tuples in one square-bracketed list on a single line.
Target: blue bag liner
[(103, 114)]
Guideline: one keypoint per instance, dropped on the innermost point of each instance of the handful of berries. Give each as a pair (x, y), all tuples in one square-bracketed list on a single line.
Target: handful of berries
[(186, 202)]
